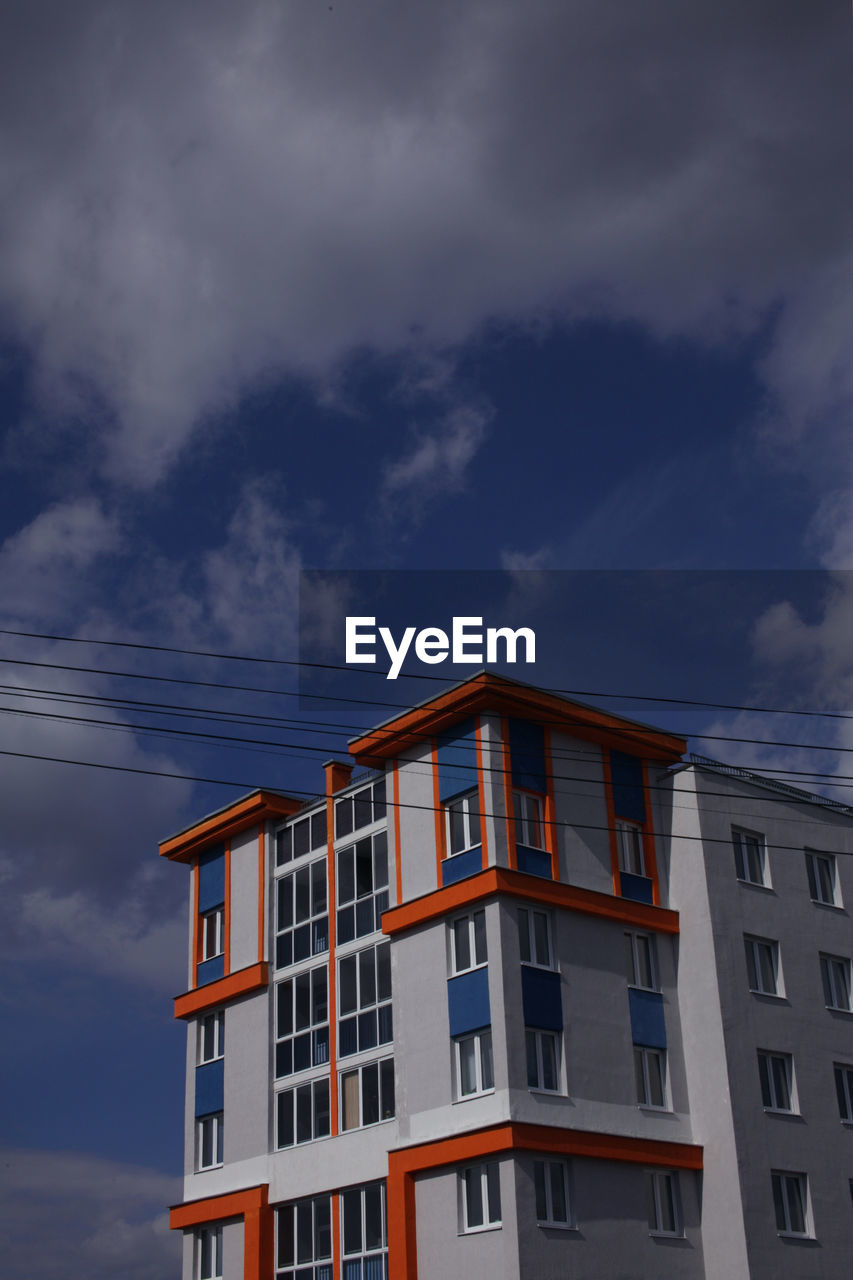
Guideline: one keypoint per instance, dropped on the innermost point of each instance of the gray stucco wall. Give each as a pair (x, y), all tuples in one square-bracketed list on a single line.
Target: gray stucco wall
[(244, 899)]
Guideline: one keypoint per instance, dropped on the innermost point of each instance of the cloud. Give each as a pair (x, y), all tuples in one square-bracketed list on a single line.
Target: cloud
[(438, 462), (51, 562), (63, 1214), (202, 198)]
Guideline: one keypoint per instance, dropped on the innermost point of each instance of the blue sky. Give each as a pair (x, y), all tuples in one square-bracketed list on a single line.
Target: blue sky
[(535, 288)]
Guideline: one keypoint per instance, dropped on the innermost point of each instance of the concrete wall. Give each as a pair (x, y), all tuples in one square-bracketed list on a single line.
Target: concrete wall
[(444, 1250), (244, 899), (580, 808), (417, 822)]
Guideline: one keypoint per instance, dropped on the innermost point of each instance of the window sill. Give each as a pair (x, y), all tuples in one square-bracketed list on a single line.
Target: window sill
[(796, 1237), (470, 1097), (830, 906), (478, 1231), (756, 884), (547, 1093), (634, 986), (460, 853), (657, 1111), (833, 1008), (769, 995), (666, 1235), (208, 1167), (558, 1226)]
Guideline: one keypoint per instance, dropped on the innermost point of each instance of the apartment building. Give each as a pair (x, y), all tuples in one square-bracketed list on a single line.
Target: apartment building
[(531, 995)]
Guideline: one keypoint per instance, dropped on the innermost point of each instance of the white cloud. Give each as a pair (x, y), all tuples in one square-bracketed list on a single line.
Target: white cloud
[(437, 463), (52, 561)]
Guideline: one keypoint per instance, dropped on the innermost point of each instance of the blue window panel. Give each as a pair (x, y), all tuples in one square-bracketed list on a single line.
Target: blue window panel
[(211, 970), (463, 865), (211, 878), (210, 1088), (468, 1001), (637, 888), (541, 998), (352, 1269), (648, 1025), (457, 761), (527, 755), (626, 775), (536, 862)]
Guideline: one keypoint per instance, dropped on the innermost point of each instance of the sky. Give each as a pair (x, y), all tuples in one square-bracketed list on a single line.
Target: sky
[(531, 290)]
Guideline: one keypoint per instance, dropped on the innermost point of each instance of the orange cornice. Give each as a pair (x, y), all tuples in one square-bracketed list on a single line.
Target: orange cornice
[(499, 880), (488, 692), (232, 1204), (254, 978), (252, 809)]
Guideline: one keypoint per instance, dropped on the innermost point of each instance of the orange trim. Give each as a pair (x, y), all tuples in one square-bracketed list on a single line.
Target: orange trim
[(551, 843), (333, 920), (336, 1237), (481, 790), (499, 880), (338, 775), (398, 857), (254, 978), (650, 856), (489, 692), (252, 809), (196, 943), (226, 913), (438, 814), (611, 820), (258, 1224), (262, 884), (506, 764), (404, 1164)]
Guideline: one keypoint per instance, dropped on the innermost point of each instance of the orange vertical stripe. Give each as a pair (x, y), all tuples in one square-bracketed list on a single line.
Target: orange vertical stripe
[(438, 815), (481, 790), (261, 894), (196, 938), (226, 924), (336, 1237), (507, 772), (550, 810), (395, 797), (333, 1004), (649, 852), (611, 821)]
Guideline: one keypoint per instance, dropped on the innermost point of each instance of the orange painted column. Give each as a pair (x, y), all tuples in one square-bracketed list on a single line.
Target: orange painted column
[(481, 790), (550, 810), (506, 765)]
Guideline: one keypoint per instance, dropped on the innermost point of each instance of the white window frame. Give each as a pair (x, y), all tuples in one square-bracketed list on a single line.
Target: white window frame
[(754, 948), (214, 1122), (835, 985), (773, 1062), (631, 847), (483, 1059), (382, 1100), (312, 921), (377, 968), (373, 795), (463, 806), (751, 861), (364, 1253), (316, 980), (217, 915), (210, 1236), (486, 1175), (843, 1072), (472, 927), (296, 1092), (542, 1035), (817, 885), (662, 1188), (321, 1261), (528, 939), (216, 1021), (548, 1169), (644, 1057), (636, 943), (786, 1179), (528, 813)]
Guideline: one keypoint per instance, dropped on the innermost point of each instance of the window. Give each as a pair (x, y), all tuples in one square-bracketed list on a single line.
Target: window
[(364, 1000), (362, 887), (304, 1240), (750, 857), (367, 1094), (640, 960), (542, 1060), (776, 1072), (480, 1196), (301, 1022), (300, 837), (551, 1183), (527, 812), (662, 1203), (534, 938), (301, 914), (213, 933), (823, 880), (211, 1036), (844, 1090), (629, 843), (762, 965), (209, 1253), (835, 971), (463, 823), (475, 1072), (468, 942), (360, 809), (364, 1232), (791, 1202), (209, 1139), (302, 1114), (650, 1076)]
